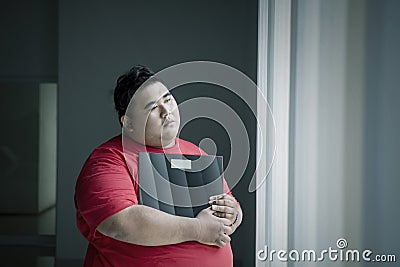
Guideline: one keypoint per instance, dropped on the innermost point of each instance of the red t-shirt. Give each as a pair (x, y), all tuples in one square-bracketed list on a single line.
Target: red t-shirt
[(105, 186)]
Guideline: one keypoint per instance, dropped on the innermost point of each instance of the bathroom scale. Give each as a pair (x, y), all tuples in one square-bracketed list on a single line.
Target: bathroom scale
[(179, 184)]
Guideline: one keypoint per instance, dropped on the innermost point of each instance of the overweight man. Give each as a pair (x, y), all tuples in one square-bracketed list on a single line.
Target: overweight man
[(120, 231)]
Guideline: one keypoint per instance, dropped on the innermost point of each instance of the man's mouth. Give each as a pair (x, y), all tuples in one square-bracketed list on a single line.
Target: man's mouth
[(168, 121)]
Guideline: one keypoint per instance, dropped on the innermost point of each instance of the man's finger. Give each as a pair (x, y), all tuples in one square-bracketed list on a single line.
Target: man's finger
[(221, 243), (216, 197), (227, 230), (220, 214), (224, 202), (224, 209)]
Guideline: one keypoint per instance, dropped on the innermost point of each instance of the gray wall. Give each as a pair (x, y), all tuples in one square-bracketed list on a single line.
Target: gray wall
[(27, 147), (28, 56), (29, 41), (381, 214), (98, 40), (28, 53)]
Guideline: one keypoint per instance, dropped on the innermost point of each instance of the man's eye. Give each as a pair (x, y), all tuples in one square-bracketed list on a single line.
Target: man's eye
[(167, 100), (154, 107)]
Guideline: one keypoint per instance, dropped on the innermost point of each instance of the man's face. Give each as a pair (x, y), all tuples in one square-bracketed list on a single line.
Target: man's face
[(153, 118)]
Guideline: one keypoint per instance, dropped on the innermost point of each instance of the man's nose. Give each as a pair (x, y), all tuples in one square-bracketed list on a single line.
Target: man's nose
[(165, 110)]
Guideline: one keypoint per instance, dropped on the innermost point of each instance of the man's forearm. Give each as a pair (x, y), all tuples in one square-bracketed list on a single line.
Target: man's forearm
[(146, 226)]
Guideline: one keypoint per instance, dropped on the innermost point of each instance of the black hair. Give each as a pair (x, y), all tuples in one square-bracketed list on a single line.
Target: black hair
[(127, 85)]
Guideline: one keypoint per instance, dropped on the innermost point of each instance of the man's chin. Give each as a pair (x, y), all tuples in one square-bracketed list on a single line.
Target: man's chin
[(168, 138), (169, 131)]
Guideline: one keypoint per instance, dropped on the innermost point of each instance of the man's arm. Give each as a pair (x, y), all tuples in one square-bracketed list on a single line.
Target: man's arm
[(142, 225)]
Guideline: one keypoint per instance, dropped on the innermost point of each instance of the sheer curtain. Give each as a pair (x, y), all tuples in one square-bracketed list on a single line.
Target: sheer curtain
[(274, 83), (311, 58)]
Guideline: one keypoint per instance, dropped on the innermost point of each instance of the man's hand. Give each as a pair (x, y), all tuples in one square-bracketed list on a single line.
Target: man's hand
[(225, 206), (213, 230)]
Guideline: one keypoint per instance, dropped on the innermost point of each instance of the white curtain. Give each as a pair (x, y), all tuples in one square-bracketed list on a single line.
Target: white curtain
[(311, 56)]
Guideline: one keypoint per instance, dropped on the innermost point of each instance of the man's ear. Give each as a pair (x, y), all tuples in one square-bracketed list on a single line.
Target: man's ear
[(126, 123)]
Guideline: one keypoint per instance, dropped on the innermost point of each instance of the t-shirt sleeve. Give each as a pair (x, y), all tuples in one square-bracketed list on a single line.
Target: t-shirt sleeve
[(104, 188)]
